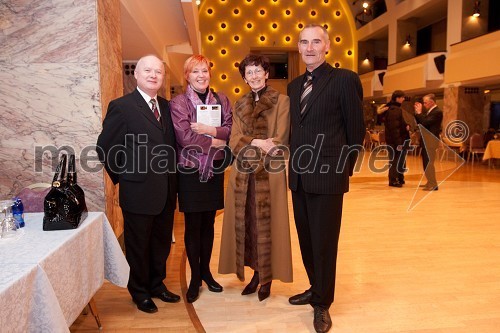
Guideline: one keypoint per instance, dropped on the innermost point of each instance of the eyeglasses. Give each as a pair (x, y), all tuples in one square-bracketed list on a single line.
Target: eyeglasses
[(257, 72)]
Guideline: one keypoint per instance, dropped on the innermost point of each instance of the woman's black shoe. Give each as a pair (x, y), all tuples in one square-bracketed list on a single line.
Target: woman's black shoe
[(193, 292), (213, 286), (252, 286), (264, 291)]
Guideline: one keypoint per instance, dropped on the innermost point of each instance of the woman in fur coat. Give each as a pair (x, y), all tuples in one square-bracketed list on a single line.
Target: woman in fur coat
[(256, 230)]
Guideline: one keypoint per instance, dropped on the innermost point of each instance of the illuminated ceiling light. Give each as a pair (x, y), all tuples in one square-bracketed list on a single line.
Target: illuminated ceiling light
[(313, 13), (274, 25), (407, 42), (223, 25), (210, 11), (198, 2), (365, 5), (262, 38), (476, 13), (262, 12), (366, 61), (236, 11), (287, 12), (288, 39)]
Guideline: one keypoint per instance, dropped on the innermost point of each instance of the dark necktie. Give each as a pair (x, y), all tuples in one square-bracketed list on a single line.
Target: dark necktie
[(306, 93), (155, 109)]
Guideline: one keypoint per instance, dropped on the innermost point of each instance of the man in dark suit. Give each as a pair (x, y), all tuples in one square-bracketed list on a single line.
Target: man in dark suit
[(327, 131), (431, 122), (136, 146)]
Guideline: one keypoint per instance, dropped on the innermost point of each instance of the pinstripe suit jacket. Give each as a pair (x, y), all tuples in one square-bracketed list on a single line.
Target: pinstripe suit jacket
[(331, 125)]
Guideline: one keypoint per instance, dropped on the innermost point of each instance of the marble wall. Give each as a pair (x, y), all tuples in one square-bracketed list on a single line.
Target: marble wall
[(50, 92)]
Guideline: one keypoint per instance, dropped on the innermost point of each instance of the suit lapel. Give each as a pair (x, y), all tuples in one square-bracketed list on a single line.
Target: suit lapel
[(317, 89), (144, 109)]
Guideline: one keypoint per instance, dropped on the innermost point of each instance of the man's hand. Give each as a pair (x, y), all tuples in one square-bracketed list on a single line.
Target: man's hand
[(418, 107)]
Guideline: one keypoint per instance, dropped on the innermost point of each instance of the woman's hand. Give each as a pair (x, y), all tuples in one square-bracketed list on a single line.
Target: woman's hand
[(200, 128), (218, 143), (267, 146)]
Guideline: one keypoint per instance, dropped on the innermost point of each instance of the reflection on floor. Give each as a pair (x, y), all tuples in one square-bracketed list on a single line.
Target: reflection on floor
[(430, 267)]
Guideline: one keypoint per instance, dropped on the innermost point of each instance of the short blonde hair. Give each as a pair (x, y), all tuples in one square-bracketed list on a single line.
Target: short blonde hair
[(193, 61)]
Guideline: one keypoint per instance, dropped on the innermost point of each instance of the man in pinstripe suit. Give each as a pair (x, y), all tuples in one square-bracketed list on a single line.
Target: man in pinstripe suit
[(327, 130)]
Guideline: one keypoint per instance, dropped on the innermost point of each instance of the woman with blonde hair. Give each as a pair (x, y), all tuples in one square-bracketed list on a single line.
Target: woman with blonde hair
[(201, 162)]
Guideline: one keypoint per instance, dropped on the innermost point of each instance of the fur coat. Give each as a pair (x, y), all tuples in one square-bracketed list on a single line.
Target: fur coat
[(268, 119)]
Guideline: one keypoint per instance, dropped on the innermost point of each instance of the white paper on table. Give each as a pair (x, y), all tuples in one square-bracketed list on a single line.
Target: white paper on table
[(209, 114)]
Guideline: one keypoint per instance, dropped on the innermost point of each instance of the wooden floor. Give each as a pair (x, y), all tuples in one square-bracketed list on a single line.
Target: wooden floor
[(409, 261)]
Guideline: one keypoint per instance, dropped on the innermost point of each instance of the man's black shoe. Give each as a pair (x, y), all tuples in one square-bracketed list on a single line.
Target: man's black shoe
[(322, 321), (395, 184), (147, 305), (168, 297), (301, 299), (431, 188)]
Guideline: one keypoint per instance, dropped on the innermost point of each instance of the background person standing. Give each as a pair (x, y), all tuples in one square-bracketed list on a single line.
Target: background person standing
[(431, 120), (396, 133), (327, 114)]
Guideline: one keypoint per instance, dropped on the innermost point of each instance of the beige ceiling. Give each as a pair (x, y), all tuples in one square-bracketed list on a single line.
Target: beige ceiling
[(167, 28)]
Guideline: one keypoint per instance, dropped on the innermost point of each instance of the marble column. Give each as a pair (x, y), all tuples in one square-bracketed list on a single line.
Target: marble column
[(52, 93), (465, 104)]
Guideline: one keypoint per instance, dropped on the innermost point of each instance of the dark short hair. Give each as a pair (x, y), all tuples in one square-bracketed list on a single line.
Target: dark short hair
[(254, 60), (397, 94)]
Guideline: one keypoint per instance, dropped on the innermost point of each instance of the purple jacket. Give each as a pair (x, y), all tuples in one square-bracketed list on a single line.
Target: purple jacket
[(183, 111)]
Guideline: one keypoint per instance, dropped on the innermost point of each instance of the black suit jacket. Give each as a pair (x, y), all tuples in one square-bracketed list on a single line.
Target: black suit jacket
[(431, 121), (331, 126), (138, 152)]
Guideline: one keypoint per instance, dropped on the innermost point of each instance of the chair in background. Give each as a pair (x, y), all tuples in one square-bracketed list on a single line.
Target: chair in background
[(368, 143), (476, 146)]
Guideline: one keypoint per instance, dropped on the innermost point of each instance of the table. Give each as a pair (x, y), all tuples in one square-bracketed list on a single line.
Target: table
[(492, 150), (48, 277)]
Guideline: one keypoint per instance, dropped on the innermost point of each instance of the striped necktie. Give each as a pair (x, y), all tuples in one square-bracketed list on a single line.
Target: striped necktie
[(306, 93), (155, 109)]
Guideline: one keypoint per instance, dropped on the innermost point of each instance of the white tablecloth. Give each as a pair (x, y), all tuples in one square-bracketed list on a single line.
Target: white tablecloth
[(50, 276)]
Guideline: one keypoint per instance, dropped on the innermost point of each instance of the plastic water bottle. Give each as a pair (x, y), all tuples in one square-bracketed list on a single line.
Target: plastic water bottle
[(18, 211)]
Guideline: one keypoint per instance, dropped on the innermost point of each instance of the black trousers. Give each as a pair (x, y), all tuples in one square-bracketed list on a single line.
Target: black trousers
[(398, 164), (199, 241), (147, 246), (318, 218)]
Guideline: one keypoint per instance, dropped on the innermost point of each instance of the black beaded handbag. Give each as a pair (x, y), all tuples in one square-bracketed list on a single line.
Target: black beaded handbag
[(64, 206)]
